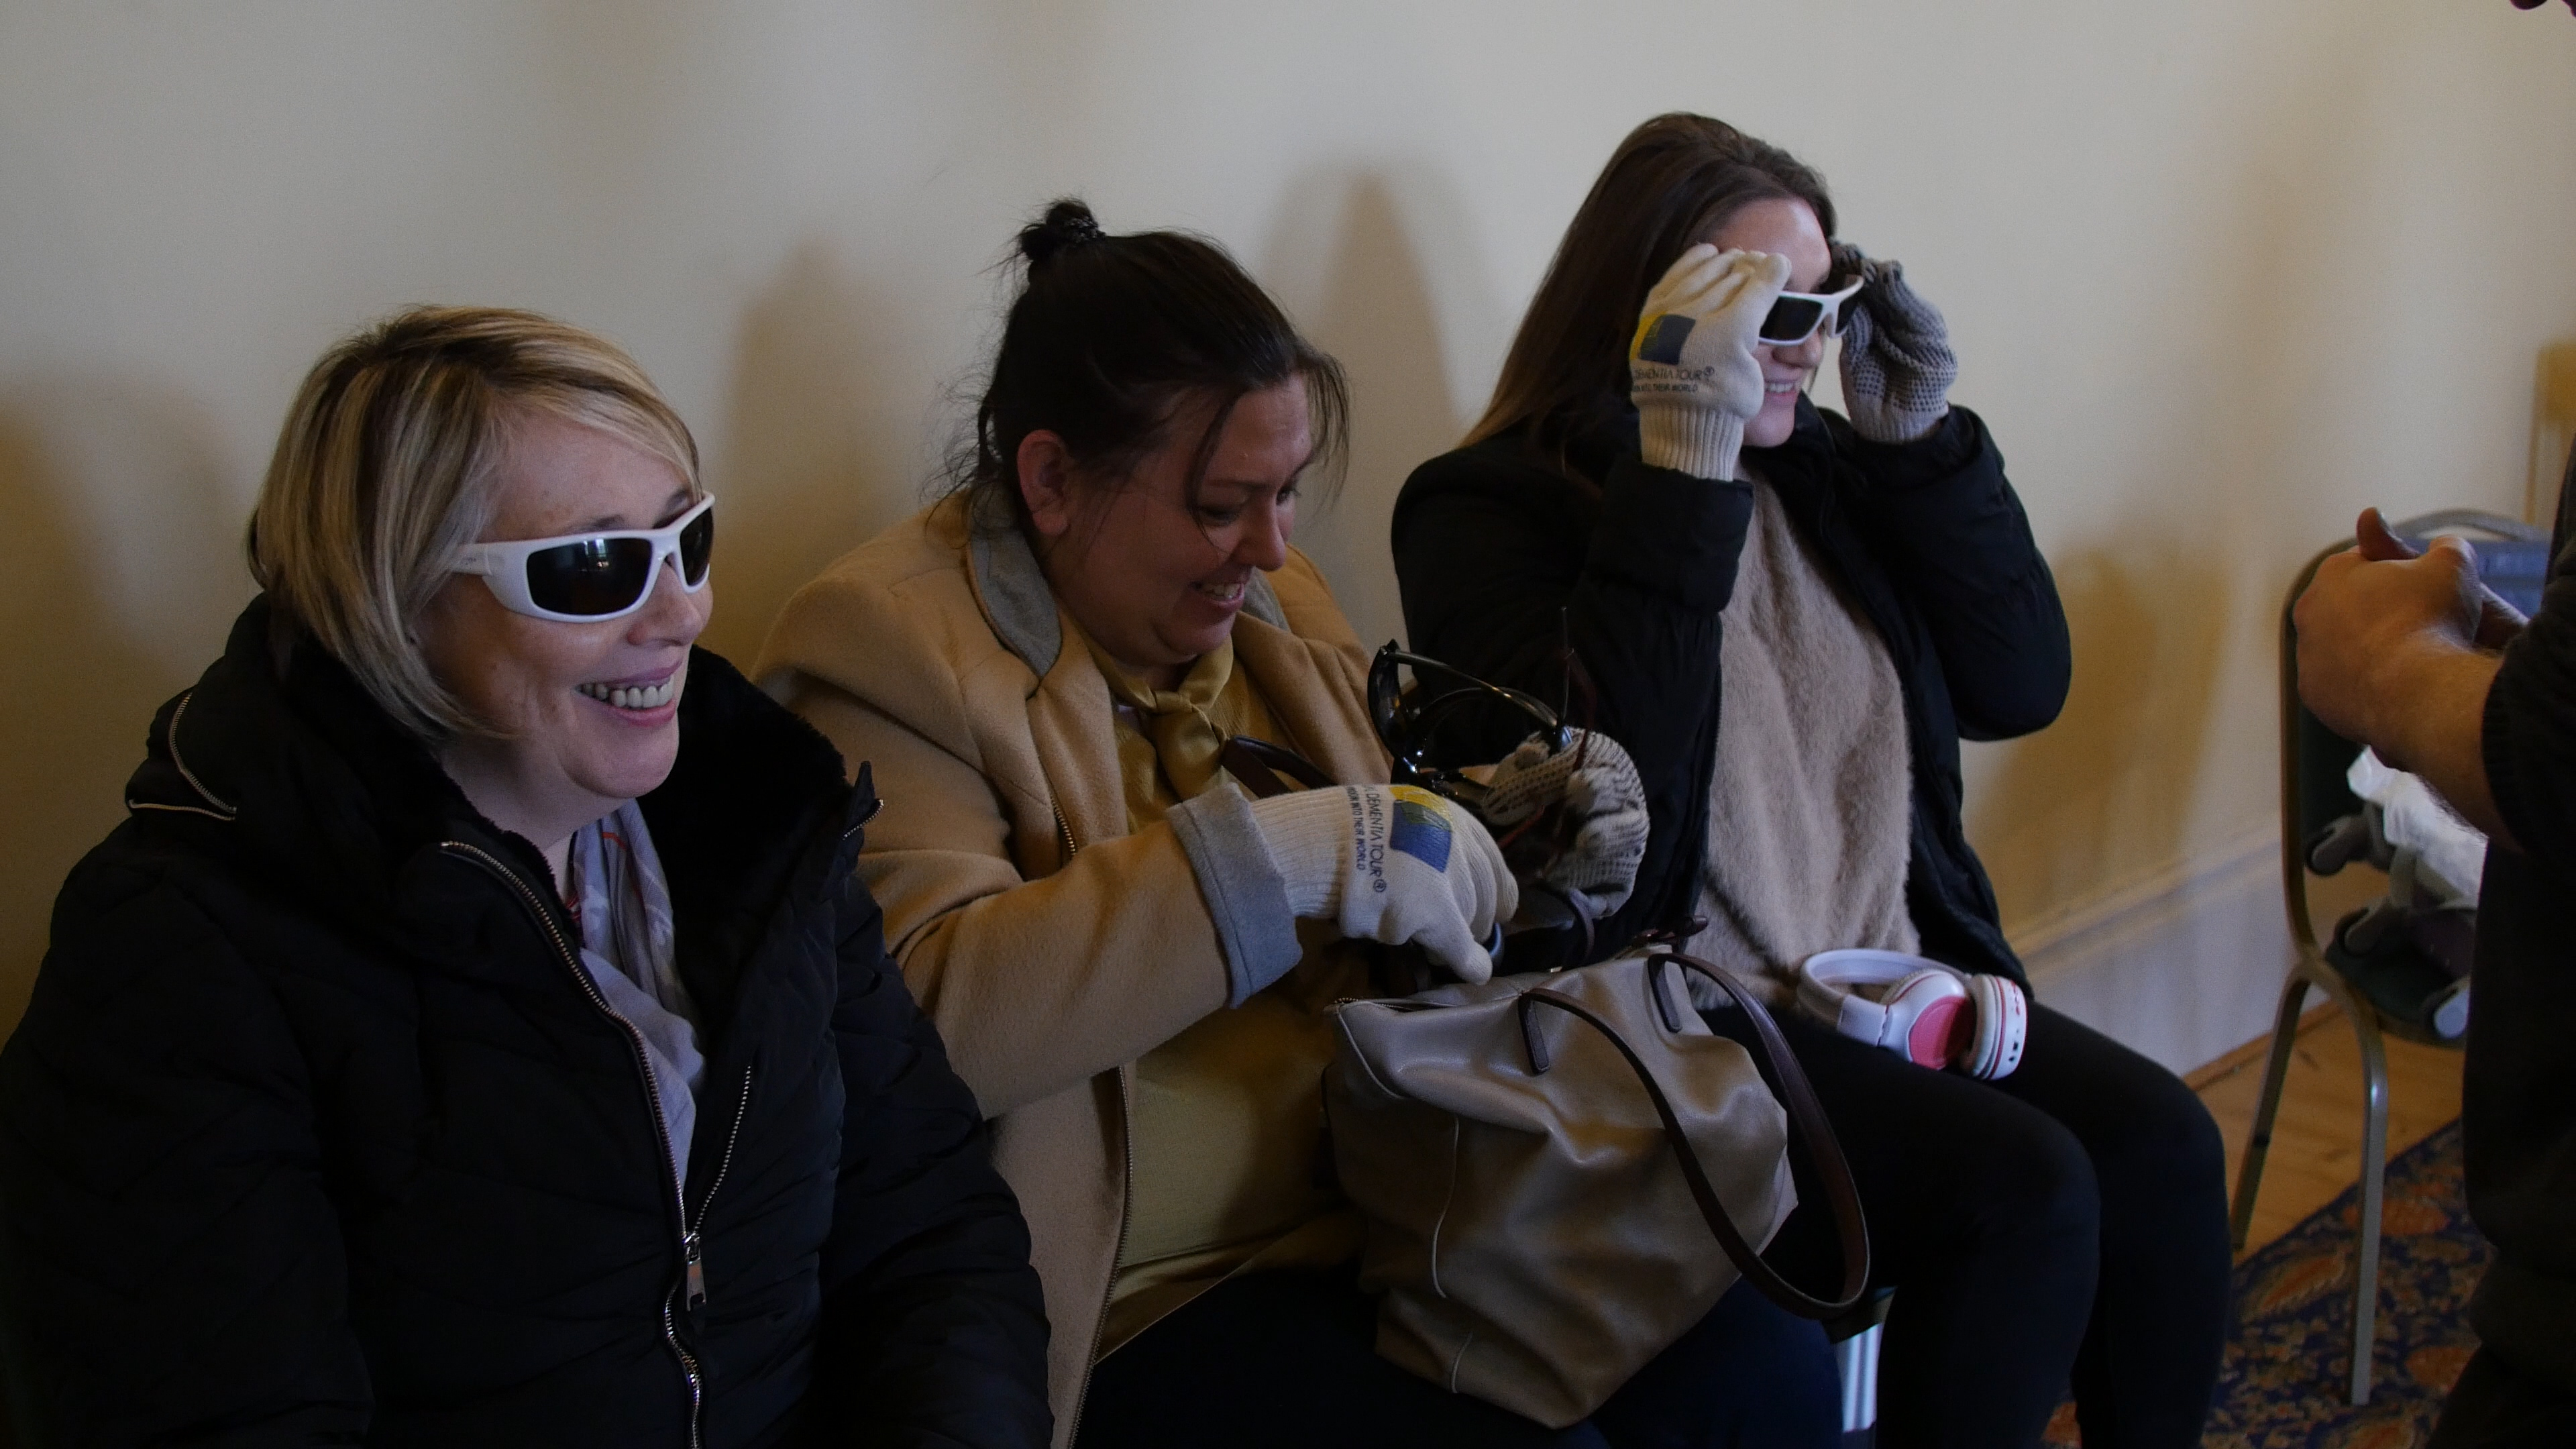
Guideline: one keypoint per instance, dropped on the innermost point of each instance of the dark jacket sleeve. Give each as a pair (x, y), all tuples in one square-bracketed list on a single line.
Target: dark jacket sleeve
[(177, 1271), (1496, 577), (1945, 522), (934, 1330), (2529, 740)]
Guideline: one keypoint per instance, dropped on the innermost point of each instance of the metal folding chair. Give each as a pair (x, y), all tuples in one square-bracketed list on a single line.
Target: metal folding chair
[(2313, 794)]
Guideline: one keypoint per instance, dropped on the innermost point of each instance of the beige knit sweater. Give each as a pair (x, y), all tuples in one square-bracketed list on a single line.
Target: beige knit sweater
[(1810, 802)]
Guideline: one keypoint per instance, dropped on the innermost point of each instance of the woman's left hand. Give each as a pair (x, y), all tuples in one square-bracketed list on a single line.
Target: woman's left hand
[(1604, 834), (1896, 359)]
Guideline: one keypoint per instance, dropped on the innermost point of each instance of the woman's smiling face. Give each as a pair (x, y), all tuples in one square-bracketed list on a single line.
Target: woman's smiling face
[(1786, 228), (1153, 574), (585, 715)]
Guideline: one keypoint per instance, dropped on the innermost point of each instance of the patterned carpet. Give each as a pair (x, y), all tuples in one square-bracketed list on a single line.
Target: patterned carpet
[(2284, 1382)]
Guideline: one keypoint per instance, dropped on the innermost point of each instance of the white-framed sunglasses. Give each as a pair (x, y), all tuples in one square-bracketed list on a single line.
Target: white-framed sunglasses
[(582, 578), (1796, 315)]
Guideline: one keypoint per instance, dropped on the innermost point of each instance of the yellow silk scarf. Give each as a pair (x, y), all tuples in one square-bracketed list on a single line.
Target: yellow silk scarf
[(1187, 729)]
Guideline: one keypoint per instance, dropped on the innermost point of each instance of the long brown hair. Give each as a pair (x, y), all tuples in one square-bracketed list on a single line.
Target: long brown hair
[(1672, 183)]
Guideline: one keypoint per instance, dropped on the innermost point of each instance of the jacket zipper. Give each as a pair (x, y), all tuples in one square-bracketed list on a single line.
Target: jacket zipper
[(1064, 836), (652, 1097), (696, 1272)]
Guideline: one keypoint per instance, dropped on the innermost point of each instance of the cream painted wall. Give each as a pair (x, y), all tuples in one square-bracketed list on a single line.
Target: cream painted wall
[(2221, 272)]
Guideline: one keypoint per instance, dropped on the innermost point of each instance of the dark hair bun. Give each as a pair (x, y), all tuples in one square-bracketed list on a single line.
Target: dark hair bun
[(1067, 224), (1109, 337)]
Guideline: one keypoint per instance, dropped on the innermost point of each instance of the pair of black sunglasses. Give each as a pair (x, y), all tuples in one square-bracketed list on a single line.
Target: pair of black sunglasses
[(1408, 720)]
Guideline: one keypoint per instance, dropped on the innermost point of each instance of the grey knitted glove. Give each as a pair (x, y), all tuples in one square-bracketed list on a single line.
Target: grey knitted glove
[(1896, 358), (1392, 863), (1605, 803)]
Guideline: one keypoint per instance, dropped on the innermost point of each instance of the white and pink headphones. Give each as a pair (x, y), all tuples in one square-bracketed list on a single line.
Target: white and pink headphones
[(1930, 1014)]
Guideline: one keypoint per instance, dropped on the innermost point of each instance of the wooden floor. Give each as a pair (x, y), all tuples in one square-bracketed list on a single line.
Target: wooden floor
[(2316, 1141)]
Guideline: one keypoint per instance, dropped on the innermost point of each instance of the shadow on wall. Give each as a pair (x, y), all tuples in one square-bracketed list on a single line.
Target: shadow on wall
[(2175, 600), (1374, 310), (809, 471), (2553, 429), (2149, 625), (119, 577)]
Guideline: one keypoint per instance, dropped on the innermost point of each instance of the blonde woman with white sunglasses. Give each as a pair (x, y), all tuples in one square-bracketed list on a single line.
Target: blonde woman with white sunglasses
[(474, 1033)]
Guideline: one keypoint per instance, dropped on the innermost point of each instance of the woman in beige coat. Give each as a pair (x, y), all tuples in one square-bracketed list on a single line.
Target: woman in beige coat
[(1129, 959)]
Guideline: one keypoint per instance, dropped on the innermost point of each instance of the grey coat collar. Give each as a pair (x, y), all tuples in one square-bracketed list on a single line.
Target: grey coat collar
[(1021, 606)]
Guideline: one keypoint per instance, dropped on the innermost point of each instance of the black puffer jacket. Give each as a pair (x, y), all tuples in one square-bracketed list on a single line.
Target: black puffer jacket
[(316, 1132), (1503, 558)]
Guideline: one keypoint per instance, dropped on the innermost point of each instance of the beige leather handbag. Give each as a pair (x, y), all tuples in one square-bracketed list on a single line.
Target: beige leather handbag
[(1562, 1172)]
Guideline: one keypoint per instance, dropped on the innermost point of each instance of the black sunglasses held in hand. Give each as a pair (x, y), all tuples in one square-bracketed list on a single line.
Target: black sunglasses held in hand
[(1408, 721)]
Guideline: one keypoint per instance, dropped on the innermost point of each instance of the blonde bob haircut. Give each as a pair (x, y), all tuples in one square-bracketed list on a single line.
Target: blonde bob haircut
[(389, 464)]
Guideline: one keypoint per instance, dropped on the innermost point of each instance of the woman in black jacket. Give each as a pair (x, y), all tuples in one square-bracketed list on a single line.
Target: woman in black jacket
[(1791, 619), (475, 1034)]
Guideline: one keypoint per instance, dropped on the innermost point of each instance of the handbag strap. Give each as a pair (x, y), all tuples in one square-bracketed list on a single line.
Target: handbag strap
[(1805, 1112)]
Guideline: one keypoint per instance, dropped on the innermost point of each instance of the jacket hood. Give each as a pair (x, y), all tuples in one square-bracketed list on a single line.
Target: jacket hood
[(277, 741), (280, 760)]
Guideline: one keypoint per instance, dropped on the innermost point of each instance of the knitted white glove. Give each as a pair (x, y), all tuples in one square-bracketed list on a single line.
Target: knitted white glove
[(1392, 863), (1691, 370), (1604, 798), (1896, 360)]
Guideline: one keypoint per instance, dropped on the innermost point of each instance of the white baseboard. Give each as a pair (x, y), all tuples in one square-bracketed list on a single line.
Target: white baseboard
[(2183, 965)]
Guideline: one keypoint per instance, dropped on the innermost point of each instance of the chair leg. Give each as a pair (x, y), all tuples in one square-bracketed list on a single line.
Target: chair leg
[(2374, 1180), (2258, 1143)]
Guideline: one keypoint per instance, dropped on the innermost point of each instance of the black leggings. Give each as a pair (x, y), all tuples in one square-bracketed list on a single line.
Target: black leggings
[(2065, 1224), (1284, 1360)]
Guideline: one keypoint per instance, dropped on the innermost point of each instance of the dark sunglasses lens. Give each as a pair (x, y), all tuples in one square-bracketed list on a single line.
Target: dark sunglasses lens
[(697, 548), (1385, 695), (594, 576), (1791, 319)]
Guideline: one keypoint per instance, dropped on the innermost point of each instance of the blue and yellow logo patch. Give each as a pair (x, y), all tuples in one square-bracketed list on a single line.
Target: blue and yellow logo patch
[(1420, 830), (1660, 338)]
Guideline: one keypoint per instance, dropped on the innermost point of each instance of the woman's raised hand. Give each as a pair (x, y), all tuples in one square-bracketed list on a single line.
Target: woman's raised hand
[(1392, 863), (1896, 359), (1691, 369)]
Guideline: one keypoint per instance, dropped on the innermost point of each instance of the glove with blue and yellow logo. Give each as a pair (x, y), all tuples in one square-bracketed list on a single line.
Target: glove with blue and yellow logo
[(1691, 369), (1392, 863)]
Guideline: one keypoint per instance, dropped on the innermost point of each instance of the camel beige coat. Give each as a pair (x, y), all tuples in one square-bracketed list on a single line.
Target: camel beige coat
[(1051, 947)]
